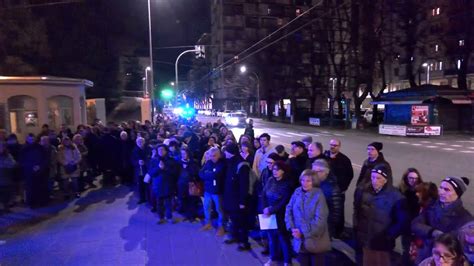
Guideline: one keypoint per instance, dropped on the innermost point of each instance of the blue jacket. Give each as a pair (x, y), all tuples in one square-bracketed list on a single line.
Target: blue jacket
[(213, 176), (308, 212), (163, 180), (186, 175)]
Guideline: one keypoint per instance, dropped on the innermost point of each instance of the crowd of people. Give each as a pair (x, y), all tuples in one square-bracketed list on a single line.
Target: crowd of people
[(204, 173)]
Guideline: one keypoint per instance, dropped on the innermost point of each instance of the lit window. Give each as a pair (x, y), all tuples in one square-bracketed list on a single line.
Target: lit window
[(436, 48), (298, 12), (412, 58), (433, 12), (438, 11), (440, 65), (459, 63), (269, 11), (461, 42)]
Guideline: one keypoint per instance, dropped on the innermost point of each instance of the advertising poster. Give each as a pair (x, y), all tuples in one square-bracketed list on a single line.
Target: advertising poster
[(419, 115)]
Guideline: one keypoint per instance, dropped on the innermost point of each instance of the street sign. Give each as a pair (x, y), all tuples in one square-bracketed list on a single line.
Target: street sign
[(314, 121)]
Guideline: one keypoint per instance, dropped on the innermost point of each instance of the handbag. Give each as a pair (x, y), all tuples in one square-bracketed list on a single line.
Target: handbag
[(70, 168), (147, 179), (318, 245), (196, 188)]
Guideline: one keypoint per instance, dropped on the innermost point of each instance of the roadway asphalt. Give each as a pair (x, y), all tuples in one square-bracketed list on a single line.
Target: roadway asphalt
[(434, 157)]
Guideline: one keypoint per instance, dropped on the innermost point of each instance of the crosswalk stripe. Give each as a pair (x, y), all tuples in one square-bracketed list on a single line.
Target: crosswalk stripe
[(339, 135), (456, 146), (449, 149), (431, 147), (295, 134), (467, 151), (416, 144)]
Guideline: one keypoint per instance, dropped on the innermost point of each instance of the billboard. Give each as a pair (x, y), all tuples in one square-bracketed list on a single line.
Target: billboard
[(419, 115)]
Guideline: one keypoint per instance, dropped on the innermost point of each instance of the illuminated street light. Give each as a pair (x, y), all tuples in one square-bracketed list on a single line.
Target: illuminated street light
[(172, 83), (243, 69), (427, 66), (167, 94)]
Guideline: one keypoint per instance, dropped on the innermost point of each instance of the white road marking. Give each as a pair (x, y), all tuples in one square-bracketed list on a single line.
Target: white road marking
[(416, 144), (295, 134), (472, 148), (467, 151), (339, 135), (456, 146), (465, 141), (431, 147), (402, 142), (449, 149), (440, 143), (357, 165), (425, 141)]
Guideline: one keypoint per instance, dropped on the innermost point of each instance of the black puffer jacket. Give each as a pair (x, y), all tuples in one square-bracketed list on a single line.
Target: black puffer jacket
[(379, 218), (365, 172), (447, 219), (335, 202), (236, 185)]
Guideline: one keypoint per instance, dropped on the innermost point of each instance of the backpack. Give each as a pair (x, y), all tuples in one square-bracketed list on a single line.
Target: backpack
[(252, 176)]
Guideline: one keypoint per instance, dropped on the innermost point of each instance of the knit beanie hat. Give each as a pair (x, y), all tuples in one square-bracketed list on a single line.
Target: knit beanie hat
[(459, 184), (381, 169), (232, 148), (377, 145)]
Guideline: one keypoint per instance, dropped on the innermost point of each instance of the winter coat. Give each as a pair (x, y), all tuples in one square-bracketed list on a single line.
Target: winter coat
[(250, 158), (53, 161), (379, 218), (163, 180), (297, 165), (308, 212), (186, 175), (213, 176), (7, 164), (341, 166), (32, 155), (261, 182), (335, 202), (249, 132), (236, 184), (83, 165), (109, 152), (137, 155), (447, 219), (366, 171), (310, 161), (68, 156), (275, 196), (126, 149)]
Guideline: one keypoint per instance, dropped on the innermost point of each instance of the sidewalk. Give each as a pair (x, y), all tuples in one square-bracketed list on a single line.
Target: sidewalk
[(107, 227)]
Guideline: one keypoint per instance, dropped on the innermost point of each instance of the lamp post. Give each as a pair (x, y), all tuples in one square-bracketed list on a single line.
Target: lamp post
[(243, 70), (151, 63), (332, 100), (427, 66), (333, 86)]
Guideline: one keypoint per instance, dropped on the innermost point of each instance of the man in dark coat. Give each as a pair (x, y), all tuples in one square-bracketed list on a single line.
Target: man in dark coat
[(298, 161), (126, 167), (380, 216), (109, 156), (341, 167), (333, 196), (236, 196), (33, 160), (163, 171), (140, 160), (375, 157)]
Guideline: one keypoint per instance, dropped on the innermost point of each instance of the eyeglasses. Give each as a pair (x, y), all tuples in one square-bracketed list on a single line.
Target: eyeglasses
[(414, 178), (445, 256)]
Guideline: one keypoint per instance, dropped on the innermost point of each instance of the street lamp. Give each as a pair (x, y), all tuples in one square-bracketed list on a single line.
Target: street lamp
[(151, 61), (333, 86), (172, 83), (427, 66), (243, 70)]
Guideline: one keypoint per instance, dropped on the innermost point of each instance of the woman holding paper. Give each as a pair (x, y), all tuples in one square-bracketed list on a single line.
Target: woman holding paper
[(275, 196), (306, 218)]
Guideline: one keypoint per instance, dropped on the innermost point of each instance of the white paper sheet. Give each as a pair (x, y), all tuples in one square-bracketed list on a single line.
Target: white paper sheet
[(267, 223)]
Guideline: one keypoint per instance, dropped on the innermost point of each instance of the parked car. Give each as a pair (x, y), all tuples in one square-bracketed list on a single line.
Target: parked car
[(226, 113), (236, 119)]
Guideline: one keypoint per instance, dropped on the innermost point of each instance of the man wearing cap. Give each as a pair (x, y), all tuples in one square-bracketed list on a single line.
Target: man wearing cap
[(446, 215), (297, 161), (375, 157), (380, 216), (236, 196)]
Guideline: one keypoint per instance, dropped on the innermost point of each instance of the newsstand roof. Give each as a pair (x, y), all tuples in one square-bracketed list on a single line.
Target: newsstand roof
[(426, 94)]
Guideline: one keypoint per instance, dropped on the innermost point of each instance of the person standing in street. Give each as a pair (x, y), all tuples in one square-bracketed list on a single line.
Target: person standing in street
[(266, 148), (297, 160), (7, 164), (375, 157), (380, 216), (34, 165), (126, 167), (315, 152), (140, 160), (446, 215), (341, 167), (52, 153), (69, 158), (213, 175), (334, 200), (236, 196), (275, 196), (306, 218)]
